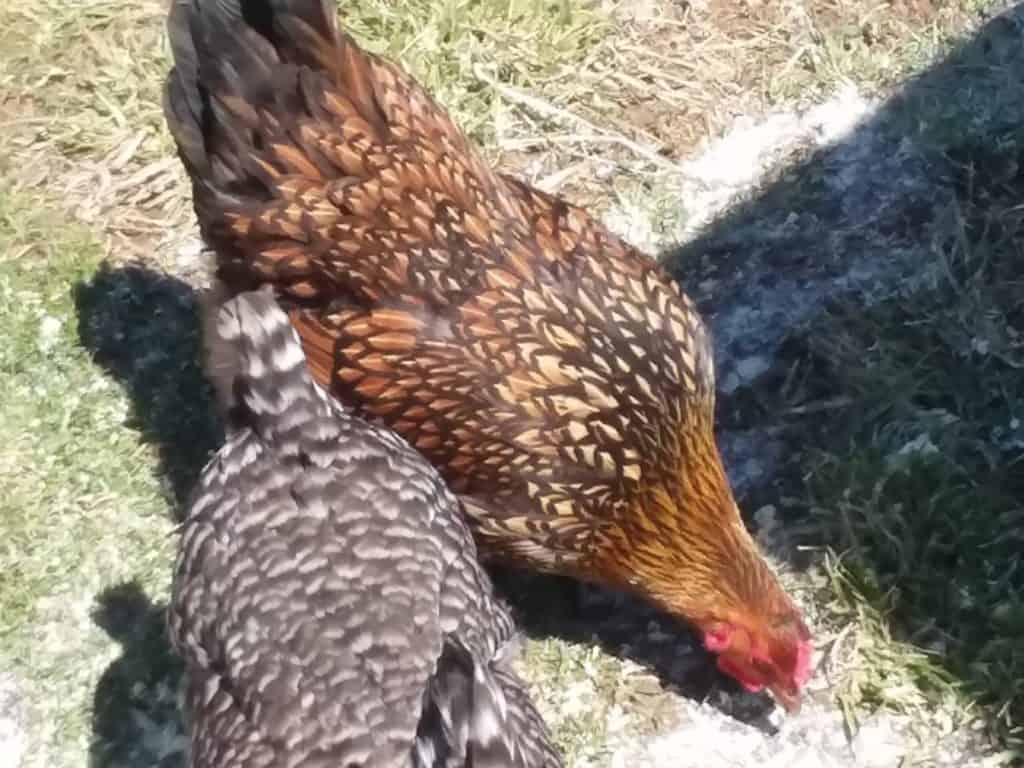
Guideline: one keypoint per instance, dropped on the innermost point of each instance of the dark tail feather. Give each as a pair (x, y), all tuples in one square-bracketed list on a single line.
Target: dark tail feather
[(216, 55), (232, 57), (442, 736), (184, 104), (490, 740), (466, 719), (306, 33)]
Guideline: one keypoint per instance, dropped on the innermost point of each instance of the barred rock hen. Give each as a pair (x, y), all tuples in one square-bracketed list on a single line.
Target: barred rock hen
[(558, 378), (327, 599)]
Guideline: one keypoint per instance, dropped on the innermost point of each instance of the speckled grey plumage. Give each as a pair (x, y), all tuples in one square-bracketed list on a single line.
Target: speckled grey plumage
[(327, 598)]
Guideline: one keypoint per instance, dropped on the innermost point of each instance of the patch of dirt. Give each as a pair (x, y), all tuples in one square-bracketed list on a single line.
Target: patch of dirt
[(676, 74)]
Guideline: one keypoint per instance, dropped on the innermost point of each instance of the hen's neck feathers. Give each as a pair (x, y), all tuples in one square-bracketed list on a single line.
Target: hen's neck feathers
[(259, 372), (686, 543)]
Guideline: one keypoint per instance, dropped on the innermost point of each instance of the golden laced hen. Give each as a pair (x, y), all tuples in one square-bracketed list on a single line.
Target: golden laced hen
[(558, 378), (327, 598)]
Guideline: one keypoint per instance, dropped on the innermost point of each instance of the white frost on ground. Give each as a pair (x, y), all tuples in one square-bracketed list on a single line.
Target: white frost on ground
[(733, 166), (738, 162), (712, 740), (813, 739), (633, 221)]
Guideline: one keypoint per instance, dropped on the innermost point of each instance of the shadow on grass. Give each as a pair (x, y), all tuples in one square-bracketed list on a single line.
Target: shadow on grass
[(628, 628), (136, 719), (869, 321), (141, 326)]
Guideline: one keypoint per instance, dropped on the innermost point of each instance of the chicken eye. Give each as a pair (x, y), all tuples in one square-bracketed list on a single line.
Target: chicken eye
[(763, 667)]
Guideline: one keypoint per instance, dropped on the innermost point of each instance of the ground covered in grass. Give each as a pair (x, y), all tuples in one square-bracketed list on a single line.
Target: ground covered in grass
[(838, 183), (83, 510)]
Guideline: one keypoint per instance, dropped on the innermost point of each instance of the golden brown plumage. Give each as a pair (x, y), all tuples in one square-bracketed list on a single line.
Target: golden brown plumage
[(557, 377)]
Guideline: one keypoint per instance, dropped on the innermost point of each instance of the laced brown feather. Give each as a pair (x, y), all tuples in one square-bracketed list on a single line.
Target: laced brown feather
[(557, 377)]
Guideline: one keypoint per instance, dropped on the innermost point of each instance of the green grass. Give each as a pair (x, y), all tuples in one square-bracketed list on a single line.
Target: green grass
[(83, 508), (576, 685), (93, 71), (917, 481), (521, 42), (871, 44), (83, 80)]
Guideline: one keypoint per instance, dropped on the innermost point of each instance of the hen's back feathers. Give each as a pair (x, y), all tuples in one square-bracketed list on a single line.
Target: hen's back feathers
[(547, 369), (327, 599), (271, 92)]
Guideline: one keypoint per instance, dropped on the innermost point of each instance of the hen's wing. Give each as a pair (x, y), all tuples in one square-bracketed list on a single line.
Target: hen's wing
[(538, 361)]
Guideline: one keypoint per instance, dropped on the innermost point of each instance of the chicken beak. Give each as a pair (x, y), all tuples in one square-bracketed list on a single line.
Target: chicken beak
[(788, 697)]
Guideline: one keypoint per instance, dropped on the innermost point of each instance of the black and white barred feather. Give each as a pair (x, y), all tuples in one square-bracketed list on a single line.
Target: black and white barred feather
[(327, 598)]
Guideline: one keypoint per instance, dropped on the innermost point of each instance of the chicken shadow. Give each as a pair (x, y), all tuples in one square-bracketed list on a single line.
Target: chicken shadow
[(859, 217), (142, 327), (628, 628), (136, 716)]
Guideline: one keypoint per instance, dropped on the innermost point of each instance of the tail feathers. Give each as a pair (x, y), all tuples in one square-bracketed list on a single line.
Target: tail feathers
[(217, 56), (466, 718), (294, 138), (490, 743), (183, 103), (237, 62), (256, 358)]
